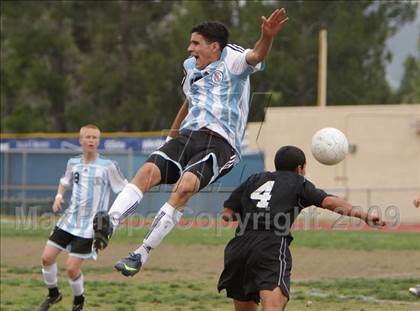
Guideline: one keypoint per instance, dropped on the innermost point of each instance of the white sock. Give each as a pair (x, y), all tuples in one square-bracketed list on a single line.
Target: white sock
[(144, 252), (49, 274), (77, 285), (165, 220), (125, 204)]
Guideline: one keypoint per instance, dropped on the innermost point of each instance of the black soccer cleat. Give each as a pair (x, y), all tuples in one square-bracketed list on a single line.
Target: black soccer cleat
[(129, 265), (102, 228), (78, 305), (49, 301)]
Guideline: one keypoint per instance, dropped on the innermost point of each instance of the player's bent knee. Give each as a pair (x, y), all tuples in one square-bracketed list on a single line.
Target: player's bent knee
[(73, 272), (47, 260), (187, 185)]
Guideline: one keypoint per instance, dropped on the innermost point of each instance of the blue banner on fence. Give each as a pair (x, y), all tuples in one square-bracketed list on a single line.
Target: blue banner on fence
[(140, 144)]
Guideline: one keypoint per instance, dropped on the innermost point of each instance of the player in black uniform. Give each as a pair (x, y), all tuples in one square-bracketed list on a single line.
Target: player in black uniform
[(257, 260)]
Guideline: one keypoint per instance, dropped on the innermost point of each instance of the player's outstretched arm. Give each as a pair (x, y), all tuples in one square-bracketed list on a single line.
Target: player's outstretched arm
[(343, 207), (269, 28), (176, 124)]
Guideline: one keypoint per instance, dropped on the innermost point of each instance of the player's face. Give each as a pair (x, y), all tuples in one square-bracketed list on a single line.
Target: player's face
[(89, 140), (204, 52)]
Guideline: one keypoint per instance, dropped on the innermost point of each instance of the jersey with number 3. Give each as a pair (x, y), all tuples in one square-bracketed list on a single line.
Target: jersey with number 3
[(271, 201), (92, 184)]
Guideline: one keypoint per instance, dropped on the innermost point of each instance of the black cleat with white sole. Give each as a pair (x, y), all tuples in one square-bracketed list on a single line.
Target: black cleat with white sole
[(49, 301), (102, 228)]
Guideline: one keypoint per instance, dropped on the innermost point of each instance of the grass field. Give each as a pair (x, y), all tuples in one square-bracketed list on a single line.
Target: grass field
[(332, 270)]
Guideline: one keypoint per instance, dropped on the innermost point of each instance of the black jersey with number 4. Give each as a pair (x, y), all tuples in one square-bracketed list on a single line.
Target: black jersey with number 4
[(271, 201)]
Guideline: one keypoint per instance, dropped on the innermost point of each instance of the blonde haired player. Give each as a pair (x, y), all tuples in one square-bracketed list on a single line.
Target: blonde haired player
[(92, 177)]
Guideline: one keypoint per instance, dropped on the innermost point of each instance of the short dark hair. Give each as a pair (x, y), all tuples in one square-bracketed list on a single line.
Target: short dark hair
[(213, 32), (288, 158)]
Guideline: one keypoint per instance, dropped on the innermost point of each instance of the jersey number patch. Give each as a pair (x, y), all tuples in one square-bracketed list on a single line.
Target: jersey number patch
[(263, 194), (76, 177)]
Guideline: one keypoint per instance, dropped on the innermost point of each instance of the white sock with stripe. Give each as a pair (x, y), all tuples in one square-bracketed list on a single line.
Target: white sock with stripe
[(165, 221), (49, 273), (125, 204), (77, 285)]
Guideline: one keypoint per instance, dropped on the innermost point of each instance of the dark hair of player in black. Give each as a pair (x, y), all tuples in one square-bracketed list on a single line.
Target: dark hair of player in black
[(288, 158), (213, 32)]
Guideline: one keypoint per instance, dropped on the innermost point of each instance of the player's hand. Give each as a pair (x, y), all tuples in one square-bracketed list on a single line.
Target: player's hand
[(375, 221), (57, 203), (272, 25), (228, 214)]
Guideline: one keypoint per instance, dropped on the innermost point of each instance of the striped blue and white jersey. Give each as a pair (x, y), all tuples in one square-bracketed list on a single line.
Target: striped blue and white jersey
[(92, 183), (218, 95)]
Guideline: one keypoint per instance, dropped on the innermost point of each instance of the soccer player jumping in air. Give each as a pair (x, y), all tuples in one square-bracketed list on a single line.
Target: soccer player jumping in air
[(205, 139)]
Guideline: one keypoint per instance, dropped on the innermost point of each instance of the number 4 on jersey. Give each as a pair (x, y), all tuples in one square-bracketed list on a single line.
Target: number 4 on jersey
[(263, 194)]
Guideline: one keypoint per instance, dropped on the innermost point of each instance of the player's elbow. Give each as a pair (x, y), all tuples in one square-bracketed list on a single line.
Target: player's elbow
[(253, 58), (329, 203), (228, 214)]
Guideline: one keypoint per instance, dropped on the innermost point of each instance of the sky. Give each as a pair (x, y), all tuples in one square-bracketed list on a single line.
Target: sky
[(402, 44)]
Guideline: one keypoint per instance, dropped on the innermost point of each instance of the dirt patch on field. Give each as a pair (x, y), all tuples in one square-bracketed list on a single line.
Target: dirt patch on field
[(170, 263)]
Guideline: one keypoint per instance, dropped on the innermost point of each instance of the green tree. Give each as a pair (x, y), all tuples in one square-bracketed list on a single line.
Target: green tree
[(39, 58), (357, 32), (409, 91), (119, 63)]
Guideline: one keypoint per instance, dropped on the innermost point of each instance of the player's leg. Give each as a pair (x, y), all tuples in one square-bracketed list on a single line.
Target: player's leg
[(274, 270), (80, 249), (104, 223), (159, 168), (273, 300), (245, 305), (164, 222), (49, 274), (198, 174), (76, 281), (146, 177), (57, 242), (232, 278), (207, 153)]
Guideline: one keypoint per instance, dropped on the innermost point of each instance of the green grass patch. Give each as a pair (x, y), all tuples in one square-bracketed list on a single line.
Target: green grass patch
[(349, 294), (24, 294), (322, 239), (374, 290)]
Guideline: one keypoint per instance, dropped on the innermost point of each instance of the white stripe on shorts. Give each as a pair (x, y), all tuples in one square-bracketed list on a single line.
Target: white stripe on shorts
[(283, 264)]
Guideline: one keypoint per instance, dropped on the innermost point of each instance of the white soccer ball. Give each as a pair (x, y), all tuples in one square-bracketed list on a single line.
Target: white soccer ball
[(329, 146)]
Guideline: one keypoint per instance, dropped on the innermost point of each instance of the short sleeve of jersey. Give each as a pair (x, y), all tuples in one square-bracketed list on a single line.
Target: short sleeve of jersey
[(188, 67), (67, 178), (116, 178), (310, 195), (236, 61)]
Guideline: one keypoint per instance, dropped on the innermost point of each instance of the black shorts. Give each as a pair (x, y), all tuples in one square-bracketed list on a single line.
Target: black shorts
[(69, 242), (255, 261), (203, 153)]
